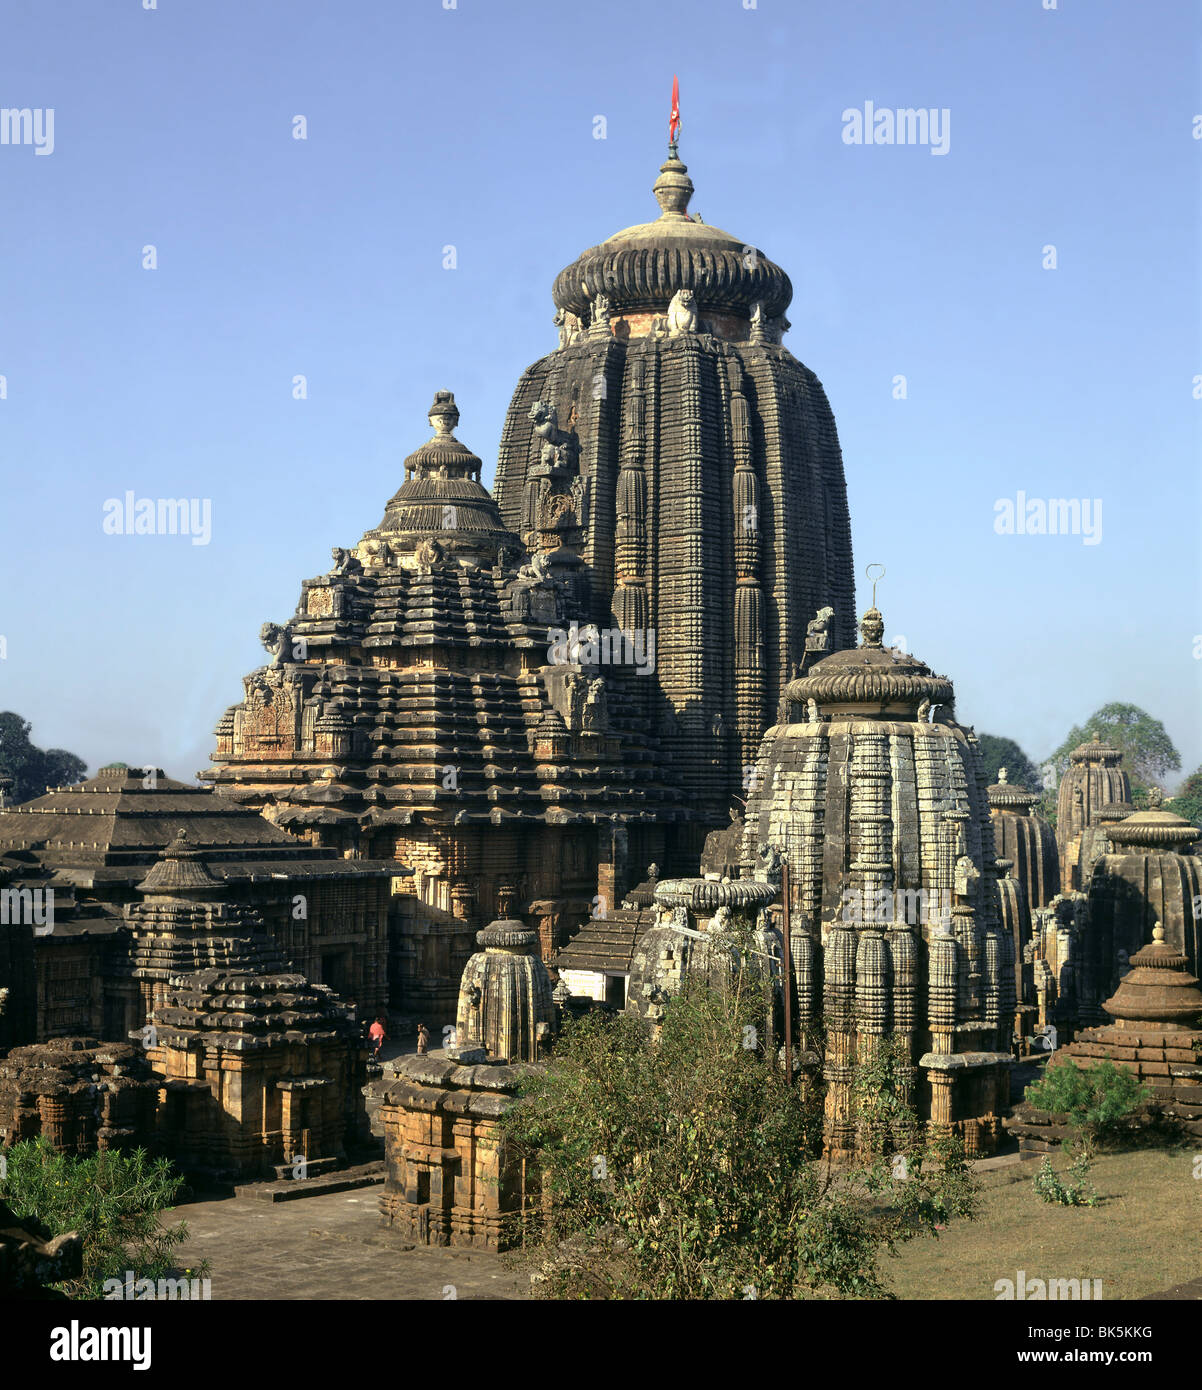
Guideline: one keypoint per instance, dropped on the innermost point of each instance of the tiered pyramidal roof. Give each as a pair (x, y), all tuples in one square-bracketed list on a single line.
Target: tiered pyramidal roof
[(415, 681), (106, 832)]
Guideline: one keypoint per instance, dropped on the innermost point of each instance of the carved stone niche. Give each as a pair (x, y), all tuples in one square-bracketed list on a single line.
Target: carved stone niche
[(323, 600), (269, 719), (567, 693), (533, 595)]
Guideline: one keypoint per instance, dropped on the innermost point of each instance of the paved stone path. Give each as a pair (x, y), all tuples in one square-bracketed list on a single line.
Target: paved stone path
[(329, 1247)]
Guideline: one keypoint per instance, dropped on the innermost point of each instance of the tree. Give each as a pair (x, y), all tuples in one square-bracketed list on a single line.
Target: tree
[(111, 1200), (685, 1167), (1148, 751), (1188, 801), (998, 752), (31, 768)]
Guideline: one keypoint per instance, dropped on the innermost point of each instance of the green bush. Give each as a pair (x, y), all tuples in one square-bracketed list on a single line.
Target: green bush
[(111, 1200), (1099, 1100), (685, 1167), (1077, 1192)]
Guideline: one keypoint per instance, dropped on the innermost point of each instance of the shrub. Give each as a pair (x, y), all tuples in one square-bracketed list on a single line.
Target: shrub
[(1099, 1100), (1077, 1192), (111, 1200), (685, 1167)]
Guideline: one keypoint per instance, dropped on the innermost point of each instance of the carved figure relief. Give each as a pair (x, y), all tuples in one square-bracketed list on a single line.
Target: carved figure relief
[(682, 314), (595, 717), (429, 554), (269, 719), (818, 631), (559, 450), (345, 561), (277, 641)]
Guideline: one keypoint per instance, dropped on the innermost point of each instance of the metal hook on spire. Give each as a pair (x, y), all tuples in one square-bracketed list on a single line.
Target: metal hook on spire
[(876, 578)]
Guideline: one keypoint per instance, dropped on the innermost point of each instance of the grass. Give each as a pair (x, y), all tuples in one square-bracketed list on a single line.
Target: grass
[(1141, 1239)]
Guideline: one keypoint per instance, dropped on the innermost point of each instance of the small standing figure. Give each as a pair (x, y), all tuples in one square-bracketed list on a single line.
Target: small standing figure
[(377, 1033), (423, 1040)]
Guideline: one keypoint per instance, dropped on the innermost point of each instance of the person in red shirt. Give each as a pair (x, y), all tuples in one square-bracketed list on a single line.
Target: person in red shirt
[(377, 1034)]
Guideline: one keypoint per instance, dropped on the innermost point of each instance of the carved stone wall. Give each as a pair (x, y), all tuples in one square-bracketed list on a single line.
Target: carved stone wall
[(449, 1179), (82, 1095)]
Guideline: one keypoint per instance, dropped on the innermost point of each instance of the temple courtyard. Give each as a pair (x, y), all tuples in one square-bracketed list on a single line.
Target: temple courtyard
[(328, 1247), (332, 1247)]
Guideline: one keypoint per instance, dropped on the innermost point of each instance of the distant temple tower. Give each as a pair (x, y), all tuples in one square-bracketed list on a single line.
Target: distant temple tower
[(673, 445), (1025, 838), (1095, 777), (1149, 877)]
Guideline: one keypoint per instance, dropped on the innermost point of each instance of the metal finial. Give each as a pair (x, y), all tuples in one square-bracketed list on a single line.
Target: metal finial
[(868, 574)]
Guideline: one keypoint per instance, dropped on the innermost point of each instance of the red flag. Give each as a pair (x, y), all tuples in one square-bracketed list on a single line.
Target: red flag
[(674, 117)]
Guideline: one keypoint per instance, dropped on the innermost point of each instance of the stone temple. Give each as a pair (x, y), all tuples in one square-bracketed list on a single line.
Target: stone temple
[(877, 798), (670, 500), (492, 748), (696, 474)]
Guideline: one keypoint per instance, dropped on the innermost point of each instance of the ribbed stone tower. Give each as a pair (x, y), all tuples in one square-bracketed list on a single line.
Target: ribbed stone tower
[(1026, 839), (1094, 778), (1149, 877), (882, 813), (691, 462), (505, 1003), (1095, 840)]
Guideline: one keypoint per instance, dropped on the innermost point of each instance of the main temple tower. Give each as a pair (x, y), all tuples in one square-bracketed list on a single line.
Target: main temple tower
[(677, 459)]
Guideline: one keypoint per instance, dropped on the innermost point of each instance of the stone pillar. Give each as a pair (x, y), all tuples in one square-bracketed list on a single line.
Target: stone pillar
[(612, 867), (839, 1062)]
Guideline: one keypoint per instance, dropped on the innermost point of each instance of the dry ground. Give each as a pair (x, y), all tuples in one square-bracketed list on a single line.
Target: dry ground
[(1143, 1237)]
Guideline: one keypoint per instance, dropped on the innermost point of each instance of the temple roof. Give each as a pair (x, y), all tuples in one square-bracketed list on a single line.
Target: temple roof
[(1158, 990), (114, 826), (1095, 751), (606, 943), (418, 662), (707, 894), (442, 495), (180, 871), (1009, 795), (642, 267), (871, 674), (1153, 829), (242, 1012)]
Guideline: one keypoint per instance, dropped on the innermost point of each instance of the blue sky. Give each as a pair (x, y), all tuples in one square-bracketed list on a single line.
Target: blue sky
[(474, 127)]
